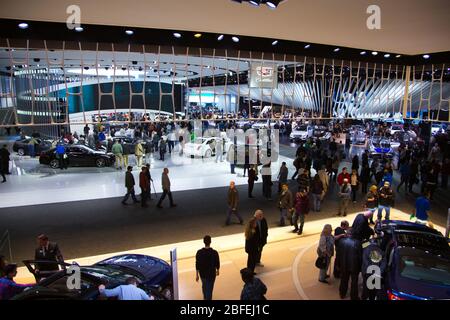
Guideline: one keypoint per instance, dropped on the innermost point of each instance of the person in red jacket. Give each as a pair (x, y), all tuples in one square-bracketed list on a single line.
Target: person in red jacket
[(144, 183), (301, 206), (343, 175)]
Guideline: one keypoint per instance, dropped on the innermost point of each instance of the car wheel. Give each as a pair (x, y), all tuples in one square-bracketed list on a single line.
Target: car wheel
[(208, 153), (21, 152), (167, 293), (54, 164), (100, 162)]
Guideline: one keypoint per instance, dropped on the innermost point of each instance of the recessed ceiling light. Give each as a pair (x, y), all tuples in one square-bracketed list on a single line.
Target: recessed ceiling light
[(254, 2), (197, 35), (374, 53), (177, 35), (79, 29), (426, 56), (307, 46), (235, 39), (129, 32), (387, 55), (398, 56), (336, 50), (362, 53), (275, 43), (23, 25), (220, 38), (273, 4)]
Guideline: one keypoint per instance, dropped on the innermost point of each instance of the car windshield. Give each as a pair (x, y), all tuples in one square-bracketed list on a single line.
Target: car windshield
[(424, 266), (111, 273)]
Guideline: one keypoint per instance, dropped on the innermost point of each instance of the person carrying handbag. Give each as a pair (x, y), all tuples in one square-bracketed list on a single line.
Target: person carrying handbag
[(325, 251)]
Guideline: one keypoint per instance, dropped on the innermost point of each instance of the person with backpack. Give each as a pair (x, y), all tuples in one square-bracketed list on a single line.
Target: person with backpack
[(301, 206)]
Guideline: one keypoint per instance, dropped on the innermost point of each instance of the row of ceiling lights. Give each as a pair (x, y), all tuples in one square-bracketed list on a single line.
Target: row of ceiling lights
[(24, 25)]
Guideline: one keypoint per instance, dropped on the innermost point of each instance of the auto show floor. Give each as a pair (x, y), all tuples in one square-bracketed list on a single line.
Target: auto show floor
[(289, 272)]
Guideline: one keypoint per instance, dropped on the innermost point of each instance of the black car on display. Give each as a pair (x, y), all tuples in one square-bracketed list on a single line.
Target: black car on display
[(417, 262), (78, 156), (153, 274), (21, 146)]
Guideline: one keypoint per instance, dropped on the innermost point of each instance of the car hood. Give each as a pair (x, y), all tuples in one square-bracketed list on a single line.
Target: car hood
[(415, 289), (154, 270)]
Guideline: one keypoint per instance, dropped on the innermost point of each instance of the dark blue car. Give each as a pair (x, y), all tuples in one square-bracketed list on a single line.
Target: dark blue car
[(154, 276), (418, 262)]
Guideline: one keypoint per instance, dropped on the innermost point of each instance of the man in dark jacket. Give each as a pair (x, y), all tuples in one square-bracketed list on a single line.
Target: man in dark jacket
[(252, 177), (350, 266), (144, 183), (47, 252), (262, 232), (4, 154), (360, 228), (150, 181), (385, 200), (233, 201), (129, 184), (285, 203), (339, 233), (207, 264), (372, 257)]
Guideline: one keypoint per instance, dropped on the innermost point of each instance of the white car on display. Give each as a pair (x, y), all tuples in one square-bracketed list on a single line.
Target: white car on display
[(263, 124), (204, 147), (395, 128), (301, 132), (321, 133)]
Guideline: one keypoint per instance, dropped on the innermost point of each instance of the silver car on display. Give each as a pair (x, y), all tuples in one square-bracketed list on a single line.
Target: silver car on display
[(358, 135), (380, 147)]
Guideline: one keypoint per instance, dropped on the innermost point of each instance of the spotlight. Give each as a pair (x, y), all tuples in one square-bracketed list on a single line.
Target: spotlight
[(275, 43), (362, 53), (235, 39), (220, 38), (79, 29), (398, 56), (387, 55), (255, 2), (197, 35), (307, 46), (426, 56), (129, 32), (374, 53), (336, 50), (273, 3), (23, 25), (177, 35)]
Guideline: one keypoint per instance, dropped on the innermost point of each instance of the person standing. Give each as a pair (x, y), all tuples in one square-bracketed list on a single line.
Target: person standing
[(139, 153), (162, 148), (317, 191), (49, 255), (324, 178), (252, 177), (282, 176), (4, 154), (165, 181), (233, 202), (350, 264), (405, 170), (128, 291), (254, 289), (262, 232), (251, 244), (117, 150), (266, 173), (8, 287), (129, 184), (344, 194), (32, 147), (301, 206), (231, 157), (422, 208), (372, 201), (172, 138), (325, 250), (144, 183), (385, 200), (361, 229), (86, 130), (285, 203), (364, 177), (342, 176), (219, 150), (339, 233), (61, 155), (207, 265), (354, 182)]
